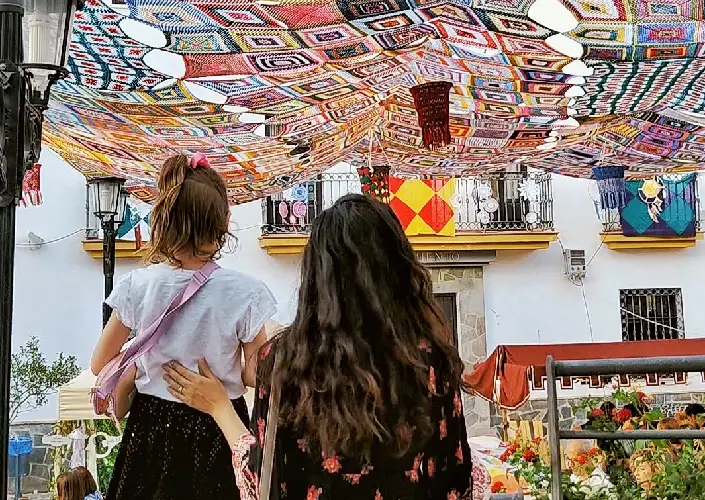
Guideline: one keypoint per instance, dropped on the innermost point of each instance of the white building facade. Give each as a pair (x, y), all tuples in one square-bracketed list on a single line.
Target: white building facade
[(499, 296)]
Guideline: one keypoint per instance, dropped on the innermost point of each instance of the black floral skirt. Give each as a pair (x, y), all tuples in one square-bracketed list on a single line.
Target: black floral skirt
[(172, 452)]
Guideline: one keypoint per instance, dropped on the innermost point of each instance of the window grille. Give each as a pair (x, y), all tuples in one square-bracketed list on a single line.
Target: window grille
[(651, 314)]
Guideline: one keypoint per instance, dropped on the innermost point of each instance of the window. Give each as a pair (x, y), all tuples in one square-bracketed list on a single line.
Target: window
[(447, 303), (651, 314)]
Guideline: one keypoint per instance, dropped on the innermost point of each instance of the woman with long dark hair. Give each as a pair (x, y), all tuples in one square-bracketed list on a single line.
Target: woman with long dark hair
[(370, 382)]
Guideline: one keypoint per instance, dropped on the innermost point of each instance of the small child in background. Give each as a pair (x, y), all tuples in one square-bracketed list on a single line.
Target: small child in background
[(87, 483), (77, 484)]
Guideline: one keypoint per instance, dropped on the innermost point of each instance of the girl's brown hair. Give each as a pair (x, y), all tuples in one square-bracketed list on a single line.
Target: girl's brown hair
[(68, 487), (355, 363), (86, 482), (190, 214)]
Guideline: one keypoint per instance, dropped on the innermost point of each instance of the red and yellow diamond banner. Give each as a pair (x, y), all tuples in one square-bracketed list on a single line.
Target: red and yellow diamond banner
[(423, 205)]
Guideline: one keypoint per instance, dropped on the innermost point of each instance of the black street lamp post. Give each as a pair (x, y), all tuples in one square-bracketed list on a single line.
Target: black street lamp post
[(27, 73), (109, 202)]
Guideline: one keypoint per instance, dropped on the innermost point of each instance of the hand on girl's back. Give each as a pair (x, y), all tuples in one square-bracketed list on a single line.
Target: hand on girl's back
[(202, 391)]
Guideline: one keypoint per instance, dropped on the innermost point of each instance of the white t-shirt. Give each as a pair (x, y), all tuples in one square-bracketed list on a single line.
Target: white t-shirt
[(230, 309)]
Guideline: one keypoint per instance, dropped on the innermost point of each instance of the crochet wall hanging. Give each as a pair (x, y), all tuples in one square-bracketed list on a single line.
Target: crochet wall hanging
[(247, 83), (660, 206), (432, 104), (424, 206), (374, 181)]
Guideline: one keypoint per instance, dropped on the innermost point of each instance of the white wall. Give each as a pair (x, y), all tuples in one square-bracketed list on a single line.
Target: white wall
[(529, 300), (58, 288)]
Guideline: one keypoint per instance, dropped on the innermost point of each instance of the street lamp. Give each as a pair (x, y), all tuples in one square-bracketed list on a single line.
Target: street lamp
[(27, 72), (109, 202)]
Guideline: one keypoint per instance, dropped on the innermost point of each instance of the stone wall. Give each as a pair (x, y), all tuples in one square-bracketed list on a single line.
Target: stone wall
[(467, 284), (41, 460), (538, 409)]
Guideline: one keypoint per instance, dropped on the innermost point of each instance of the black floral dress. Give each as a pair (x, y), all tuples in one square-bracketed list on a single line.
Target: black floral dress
[(442, 471)]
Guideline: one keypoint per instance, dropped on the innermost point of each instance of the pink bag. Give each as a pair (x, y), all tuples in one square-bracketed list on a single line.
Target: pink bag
[(115, 386)]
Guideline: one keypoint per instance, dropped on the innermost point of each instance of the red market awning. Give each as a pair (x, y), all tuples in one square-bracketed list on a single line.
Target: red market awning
[(519, 368)]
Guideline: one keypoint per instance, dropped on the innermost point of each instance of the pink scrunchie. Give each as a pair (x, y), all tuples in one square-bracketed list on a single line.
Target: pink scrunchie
[(199, 160)]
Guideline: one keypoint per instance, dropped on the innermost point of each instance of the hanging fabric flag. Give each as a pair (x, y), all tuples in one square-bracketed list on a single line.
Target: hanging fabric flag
[(432, 103), (660, 206), (132, 220), (423, 206), (31, 186), (374, 181), (610, 184)]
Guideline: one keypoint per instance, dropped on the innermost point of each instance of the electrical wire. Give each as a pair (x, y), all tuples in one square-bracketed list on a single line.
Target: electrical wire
[(44, 243), (73, 233), (587, 312)]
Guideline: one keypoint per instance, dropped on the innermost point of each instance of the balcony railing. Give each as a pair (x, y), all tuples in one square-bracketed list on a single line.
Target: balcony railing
[(495, 202)]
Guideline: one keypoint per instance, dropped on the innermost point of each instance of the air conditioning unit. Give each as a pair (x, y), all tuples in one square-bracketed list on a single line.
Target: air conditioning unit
[(574, 263)]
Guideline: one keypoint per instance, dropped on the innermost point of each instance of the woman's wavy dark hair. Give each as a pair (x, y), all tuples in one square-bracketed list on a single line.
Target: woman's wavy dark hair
[(351, 370)]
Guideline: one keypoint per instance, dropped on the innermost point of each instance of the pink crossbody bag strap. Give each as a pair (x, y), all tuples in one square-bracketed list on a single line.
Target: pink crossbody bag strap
[(111, 376)]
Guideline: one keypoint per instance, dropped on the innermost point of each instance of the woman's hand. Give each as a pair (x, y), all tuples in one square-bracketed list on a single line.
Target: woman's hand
[(202, 391)]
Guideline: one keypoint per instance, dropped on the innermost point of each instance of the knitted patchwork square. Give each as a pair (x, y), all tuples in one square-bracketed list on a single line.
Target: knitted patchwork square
[(390, 22), (600, 10), (361, 9), (325, 36), (513, 25), (232, 17)]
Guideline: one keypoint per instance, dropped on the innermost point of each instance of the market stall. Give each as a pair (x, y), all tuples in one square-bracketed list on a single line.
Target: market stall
[(511, 372)]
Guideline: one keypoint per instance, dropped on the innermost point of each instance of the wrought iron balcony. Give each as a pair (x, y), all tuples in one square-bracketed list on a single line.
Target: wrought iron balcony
[(662, 221), (494, 202)]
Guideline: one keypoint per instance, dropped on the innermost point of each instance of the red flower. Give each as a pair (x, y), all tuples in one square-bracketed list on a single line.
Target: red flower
[(513, 448), (505, 456), (332, 465), (593, 452), (413, 474), (641, 395), (538, 440), (497, 487), (313, 493), (623, 415), (457, 405), (597, 413), (303, 445), (432, 380), (581, 459), (529, 456)]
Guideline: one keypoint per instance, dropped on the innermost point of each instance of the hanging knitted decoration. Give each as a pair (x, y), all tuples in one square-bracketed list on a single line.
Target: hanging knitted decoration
[(375, 182), (78, 455), (610, 184), (31, 187), (432, 103)]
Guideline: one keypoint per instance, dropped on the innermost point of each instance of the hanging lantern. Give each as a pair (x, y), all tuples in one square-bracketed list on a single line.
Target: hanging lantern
[(432, 103)]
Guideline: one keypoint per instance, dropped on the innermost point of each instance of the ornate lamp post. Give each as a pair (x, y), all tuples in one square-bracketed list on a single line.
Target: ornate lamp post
[(109, 201), (27, 72)]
